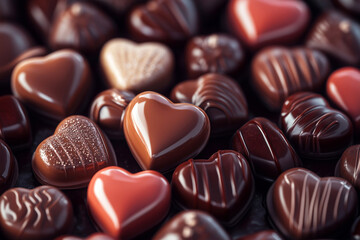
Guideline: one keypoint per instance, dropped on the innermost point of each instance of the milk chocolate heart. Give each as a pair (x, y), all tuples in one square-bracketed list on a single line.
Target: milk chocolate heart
[(137, 203), (55, 86), (40, 213), (76, 151), (223, 185), (304, 206), (161, 134), (263, 22)]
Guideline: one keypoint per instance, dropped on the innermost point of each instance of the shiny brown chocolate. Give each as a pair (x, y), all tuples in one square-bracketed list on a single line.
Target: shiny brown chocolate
[(338, 36), (108, 109), (69, 158), (266, 148), (95, 236), (15, 45), (263, 235), (304, 206), (278, 72), (55, 86), (223, 185), (7, 10), (219, 96), (192, 225), (216, 53), (137, 67), (316, 130), (348, 166), (168, 21), (82, 27), (40, 213), (15, 127), (161, 134), (8, 167)]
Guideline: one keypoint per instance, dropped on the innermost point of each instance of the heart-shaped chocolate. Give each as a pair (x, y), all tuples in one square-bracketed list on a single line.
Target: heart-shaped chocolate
[(219, 96), (263, 22), (168, 21), (304, 206), (132, 67), (55, 86), (137, 203), (76, 151), (223, 185), (161, 134), (40, 213)]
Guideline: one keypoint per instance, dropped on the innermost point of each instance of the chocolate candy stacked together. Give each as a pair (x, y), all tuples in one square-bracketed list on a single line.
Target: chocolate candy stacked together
[(179, 119)]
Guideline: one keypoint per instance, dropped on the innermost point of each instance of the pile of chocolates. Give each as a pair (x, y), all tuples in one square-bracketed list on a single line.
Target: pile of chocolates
[(179, 119)]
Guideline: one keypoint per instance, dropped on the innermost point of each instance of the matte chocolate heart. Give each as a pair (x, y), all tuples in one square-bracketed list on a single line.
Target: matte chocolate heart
[(304, 206), (40, 213), (161, 134), (132, 67), (223, 185), (55, 86), (262, 22), (76, 151), (137, 203)]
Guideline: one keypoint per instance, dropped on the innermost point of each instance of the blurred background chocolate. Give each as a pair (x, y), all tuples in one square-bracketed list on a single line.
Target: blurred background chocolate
[(8, 10), (95, 236), (355, 230), (209, 7), (263, 235), (117, 7), (9, 170), (350, 6)]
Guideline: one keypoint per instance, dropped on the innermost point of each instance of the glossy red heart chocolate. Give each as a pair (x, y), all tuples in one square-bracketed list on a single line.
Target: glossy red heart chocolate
[(161, 134), (124, 205)]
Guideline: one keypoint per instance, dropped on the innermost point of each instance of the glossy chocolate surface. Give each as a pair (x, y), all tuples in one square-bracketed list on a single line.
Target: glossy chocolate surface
[(82, 27), (304, 206), (263, 235), (168, 21), (76, 151), (139, 201), (338, 36), (137, 67), (161, 134), (108, 109), (223, 185), (192, 225), (55, 86), (278, 72), (41, 213), (316, 130), (219, 96), (348, 166), (216, 53), (261, 23), (8, 168), (266, 148)]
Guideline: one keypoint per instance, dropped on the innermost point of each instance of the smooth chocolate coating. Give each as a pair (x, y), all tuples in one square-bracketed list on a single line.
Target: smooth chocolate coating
[(338, 36), (304, 206), (316, 130), (263, 235), (7, 10), (216, 53), (168, 21), (15, 45), (40, 213), (350, 6), (348, 166), (161, 134), (223, 185), (219, 96), (266, 148), (55, 86), (192, 225), (278, 72), (8, 167), (95, 236), (15, 127), (108, 109), (69, 158), (137, 67), (82, 27)]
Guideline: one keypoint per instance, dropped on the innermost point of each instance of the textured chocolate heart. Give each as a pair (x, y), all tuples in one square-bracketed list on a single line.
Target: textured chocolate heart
[(161, 134), (304, 206), (40, 213), (137, 203), (222, 185), (76, 151), (132, 67), (169, 21), (55, 86)]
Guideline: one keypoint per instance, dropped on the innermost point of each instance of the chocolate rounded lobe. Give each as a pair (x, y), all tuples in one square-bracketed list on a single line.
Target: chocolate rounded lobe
[(8, 168), (266, 148), (348, 166)]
